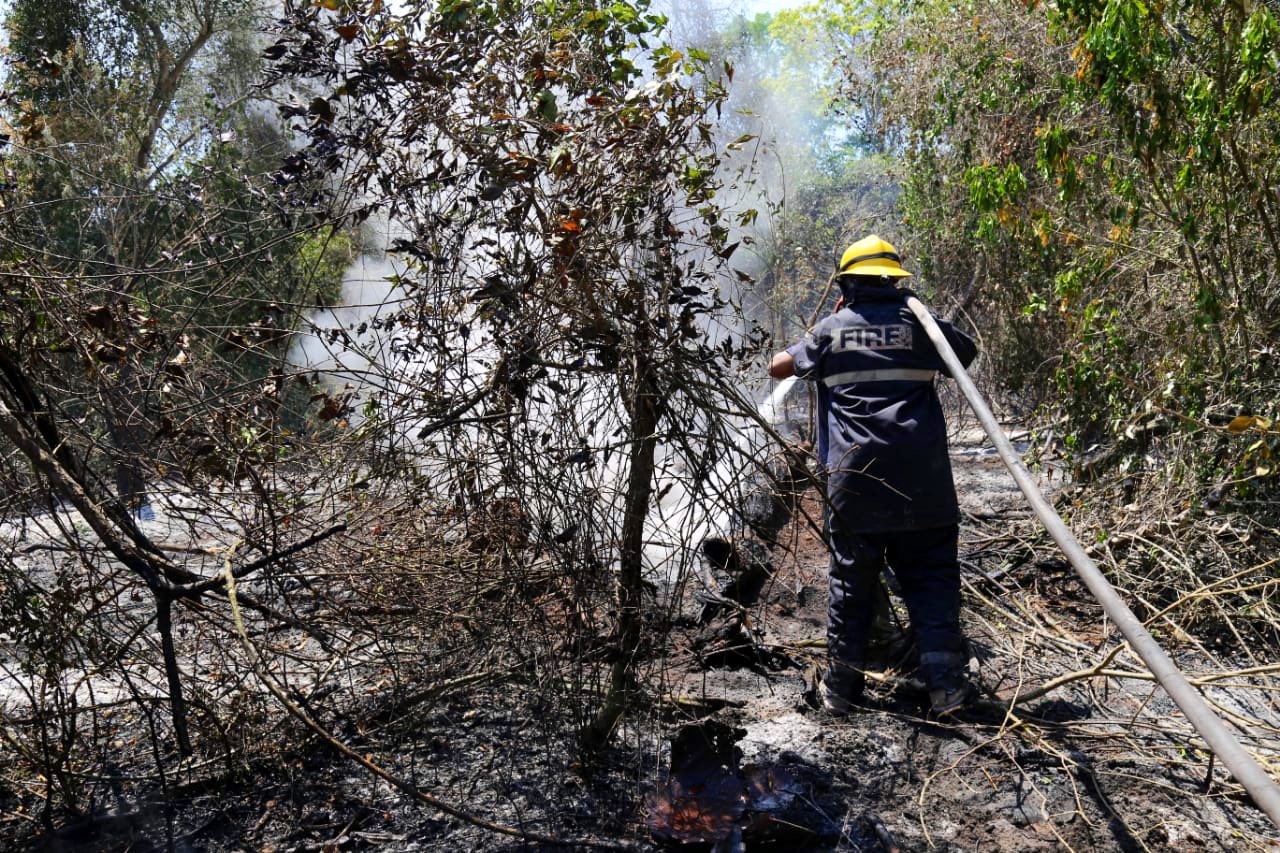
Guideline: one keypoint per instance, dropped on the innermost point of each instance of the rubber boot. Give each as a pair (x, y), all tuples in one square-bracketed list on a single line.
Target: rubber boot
[(842, 687), (946, 674)]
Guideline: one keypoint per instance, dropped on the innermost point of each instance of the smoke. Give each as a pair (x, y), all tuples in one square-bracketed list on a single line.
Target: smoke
[(359, 348), (776, 128), (337, 344), (770, 99)]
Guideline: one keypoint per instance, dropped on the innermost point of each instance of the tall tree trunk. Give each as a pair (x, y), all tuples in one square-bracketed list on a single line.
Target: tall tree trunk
[(173, 675), (644, 411), (126, 427)]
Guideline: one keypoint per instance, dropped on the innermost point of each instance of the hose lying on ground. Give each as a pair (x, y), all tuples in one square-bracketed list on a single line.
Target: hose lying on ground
[(1261, 787)]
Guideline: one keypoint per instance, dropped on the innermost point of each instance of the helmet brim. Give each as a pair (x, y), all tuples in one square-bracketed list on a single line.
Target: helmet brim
[(877, 269)]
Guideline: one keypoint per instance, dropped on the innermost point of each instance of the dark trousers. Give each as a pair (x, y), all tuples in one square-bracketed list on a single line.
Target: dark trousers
[(925, 564)]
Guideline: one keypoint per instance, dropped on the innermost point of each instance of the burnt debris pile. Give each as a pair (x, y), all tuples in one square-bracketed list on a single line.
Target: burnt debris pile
[(711, 801)]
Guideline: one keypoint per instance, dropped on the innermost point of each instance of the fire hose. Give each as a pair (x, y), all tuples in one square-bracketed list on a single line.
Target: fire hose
[(1243, 766)]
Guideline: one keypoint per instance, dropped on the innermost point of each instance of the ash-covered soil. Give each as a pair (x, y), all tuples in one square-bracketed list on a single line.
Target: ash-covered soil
[(1093, 765)]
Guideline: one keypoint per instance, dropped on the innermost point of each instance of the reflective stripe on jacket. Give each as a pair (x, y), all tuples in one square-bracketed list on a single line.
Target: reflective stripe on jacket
[(886, 438)]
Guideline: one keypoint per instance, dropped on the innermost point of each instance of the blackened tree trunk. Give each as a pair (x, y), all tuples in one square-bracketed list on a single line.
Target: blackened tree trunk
[(644, 410), (173, 675), (126, 427)]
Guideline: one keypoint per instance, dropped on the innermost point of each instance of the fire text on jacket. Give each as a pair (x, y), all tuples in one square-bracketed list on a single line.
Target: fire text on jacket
[(854, 338)]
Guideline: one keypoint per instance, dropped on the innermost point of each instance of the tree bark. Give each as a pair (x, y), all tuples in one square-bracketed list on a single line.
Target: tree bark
[(173, 675), (125, 423), (644, 410)]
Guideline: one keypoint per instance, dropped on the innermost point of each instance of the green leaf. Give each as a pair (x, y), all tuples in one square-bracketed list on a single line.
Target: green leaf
[(561, 160), (546, 107)]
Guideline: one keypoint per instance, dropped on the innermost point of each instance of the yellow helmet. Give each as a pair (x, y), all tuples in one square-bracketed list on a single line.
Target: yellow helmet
[(872, 256)]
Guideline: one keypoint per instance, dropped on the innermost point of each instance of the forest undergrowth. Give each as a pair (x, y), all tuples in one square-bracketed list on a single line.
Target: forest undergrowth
[(429, 689), (428, 568)]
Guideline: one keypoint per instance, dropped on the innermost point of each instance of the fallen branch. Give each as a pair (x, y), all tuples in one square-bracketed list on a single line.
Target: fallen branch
[(697, 704), (194, 589), (887, 841), (1061, 681), (435, 690)]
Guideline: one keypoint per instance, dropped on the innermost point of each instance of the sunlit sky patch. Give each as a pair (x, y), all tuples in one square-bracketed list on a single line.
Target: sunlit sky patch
[(752, 7)]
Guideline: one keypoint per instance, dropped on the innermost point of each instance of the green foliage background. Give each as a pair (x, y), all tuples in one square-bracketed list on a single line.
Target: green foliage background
[(1094, 187), (1113, 166)]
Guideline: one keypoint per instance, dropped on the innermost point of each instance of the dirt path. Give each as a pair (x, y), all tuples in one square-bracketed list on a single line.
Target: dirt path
[(1091, 766)]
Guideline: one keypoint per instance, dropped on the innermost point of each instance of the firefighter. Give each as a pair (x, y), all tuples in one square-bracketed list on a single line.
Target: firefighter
[(890, 494)]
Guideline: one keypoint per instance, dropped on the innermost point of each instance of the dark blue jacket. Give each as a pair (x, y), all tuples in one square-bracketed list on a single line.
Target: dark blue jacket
[(886, 440)]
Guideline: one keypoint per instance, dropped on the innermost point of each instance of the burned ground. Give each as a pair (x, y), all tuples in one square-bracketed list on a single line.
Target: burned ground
[(1096, 764)]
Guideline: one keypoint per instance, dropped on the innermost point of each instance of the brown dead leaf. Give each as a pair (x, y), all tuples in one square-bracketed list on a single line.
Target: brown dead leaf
[(1241, 423), (332, 408)]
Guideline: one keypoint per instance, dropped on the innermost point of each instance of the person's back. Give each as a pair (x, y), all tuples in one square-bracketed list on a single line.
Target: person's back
[(886, 454), (889, 484)]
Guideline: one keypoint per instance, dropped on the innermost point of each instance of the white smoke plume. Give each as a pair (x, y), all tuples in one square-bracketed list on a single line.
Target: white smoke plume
[(354, 352)]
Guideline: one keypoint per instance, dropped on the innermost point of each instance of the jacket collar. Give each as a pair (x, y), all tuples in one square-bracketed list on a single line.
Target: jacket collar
[(875, 293)]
